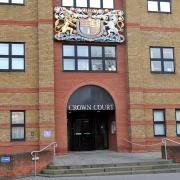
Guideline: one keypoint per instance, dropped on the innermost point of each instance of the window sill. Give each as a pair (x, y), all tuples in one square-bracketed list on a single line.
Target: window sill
[(67, 71), (11, 71), (88, 7), (159, 12), (12, 4), (17, 140), (158, 72), (159, 136)]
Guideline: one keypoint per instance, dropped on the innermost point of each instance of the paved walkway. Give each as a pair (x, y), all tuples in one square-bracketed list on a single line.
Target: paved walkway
[(173, 176), (105, 157)]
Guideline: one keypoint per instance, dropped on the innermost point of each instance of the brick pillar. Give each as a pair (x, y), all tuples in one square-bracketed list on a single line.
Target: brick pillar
[(46, 73)]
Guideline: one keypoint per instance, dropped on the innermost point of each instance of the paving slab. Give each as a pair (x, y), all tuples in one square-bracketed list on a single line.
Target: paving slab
[(174, 176), (104, 157)]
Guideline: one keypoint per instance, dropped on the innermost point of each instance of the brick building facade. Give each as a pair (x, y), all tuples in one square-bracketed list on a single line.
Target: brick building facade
[(144, 87)]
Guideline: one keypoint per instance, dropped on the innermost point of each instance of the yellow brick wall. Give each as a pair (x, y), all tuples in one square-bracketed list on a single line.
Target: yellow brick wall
[(139, 41), (39, 66)]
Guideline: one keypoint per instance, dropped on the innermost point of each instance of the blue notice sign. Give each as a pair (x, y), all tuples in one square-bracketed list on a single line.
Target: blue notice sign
[(5, 159)]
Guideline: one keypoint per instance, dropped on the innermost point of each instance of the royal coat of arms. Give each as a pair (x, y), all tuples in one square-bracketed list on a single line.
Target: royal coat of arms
[(96, 25), (90, 27)]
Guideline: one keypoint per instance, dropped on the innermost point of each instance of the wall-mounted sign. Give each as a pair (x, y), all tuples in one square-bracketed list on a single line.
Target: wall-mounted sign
[(99, 107), (5, 159), (47, 133), (94, 25)]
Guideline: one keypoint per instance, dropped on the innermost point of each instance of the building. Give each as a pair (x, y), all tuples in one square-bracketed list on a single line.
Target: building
[(83, 90)]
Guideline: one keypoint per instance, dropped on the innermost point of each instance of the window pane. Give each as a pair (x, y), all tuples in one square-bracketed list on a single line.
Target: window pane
[(155, 53), (18, 63), (4, 63), (177, 115), (17, 117), (110, 65), (95, 3), (158, 115), (109, 4), (165, 6), (152, 6), (18, 1), (68, 50), (69, 64), (97, 65), (178, 129), (17, 49), (159, 130), (168, 66), (4, 1), (156, 66), (96, 51), (82, 51), (17, 132), (4, 49), (168, 53), (83, 64), (81, 3), (67, 3), (109, 51)]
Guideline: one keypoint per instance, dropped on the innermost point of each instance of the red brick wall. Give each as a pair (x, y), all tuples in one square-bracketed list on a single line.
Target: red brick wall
[(22, 164), (173, 152), (115, 83)]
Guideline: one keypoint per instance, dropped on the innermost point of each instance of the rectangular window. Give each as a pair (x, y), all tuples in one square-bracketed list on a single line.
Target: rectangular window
[(178, 122), (19, 2), (159, 6), (106, 4), (12, 56), (89, 58), (162, 59), (17, 125), (159, 122)]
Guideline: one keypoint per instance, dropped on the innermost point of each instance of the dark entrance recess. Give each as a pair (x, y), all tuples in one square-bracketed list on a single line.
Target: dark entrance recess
[(90, 112)]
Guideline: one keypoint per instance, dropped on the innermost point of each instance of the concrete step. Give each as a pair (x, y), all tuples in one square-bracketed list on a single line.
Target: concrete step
[(56, 166), (151, 171), (109, 169)]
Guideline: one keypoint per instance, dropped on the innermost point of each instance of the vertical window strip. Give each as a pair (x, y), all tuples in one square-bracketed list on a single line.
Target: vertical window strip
[(159, 122), (178, 122), (17, 119)]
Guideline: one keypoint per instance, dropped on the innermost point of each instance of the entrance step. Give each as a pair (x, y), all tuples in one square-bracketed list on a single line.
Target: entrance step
[(111, 169)]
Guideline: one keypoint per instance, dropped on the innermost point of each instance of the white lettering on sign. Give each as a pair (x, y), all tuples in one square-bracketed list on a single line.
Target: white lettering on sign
[(99, 107)]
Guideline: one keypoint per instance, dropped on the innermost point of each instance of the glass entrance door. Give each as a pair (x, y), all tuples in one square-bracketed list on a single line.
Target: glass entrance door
[(83, 135), (88, 131)]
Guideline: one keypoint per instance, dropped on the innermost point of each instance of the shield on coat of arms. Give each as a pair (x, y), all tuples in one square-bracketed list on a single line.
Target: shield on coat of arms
[(90, 27)]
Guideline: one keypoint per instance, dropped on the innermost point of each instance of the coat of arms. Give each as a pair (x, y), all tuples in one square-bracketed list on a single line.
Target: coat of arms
[(97, 25), (90, 27)]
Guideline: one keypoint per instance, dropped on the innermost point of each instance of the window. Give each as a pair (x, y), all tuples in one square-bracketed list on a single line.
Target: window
[(178, 122), (159, 6), (17, 125), (159, 122), (89, 58), (12, 57), (107, 4), (19, 2), (162, 59)]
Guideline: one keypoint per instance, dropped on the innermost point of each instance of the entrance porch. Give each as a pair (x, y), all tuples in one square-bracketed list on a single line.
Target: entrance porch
[(105, 157)]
